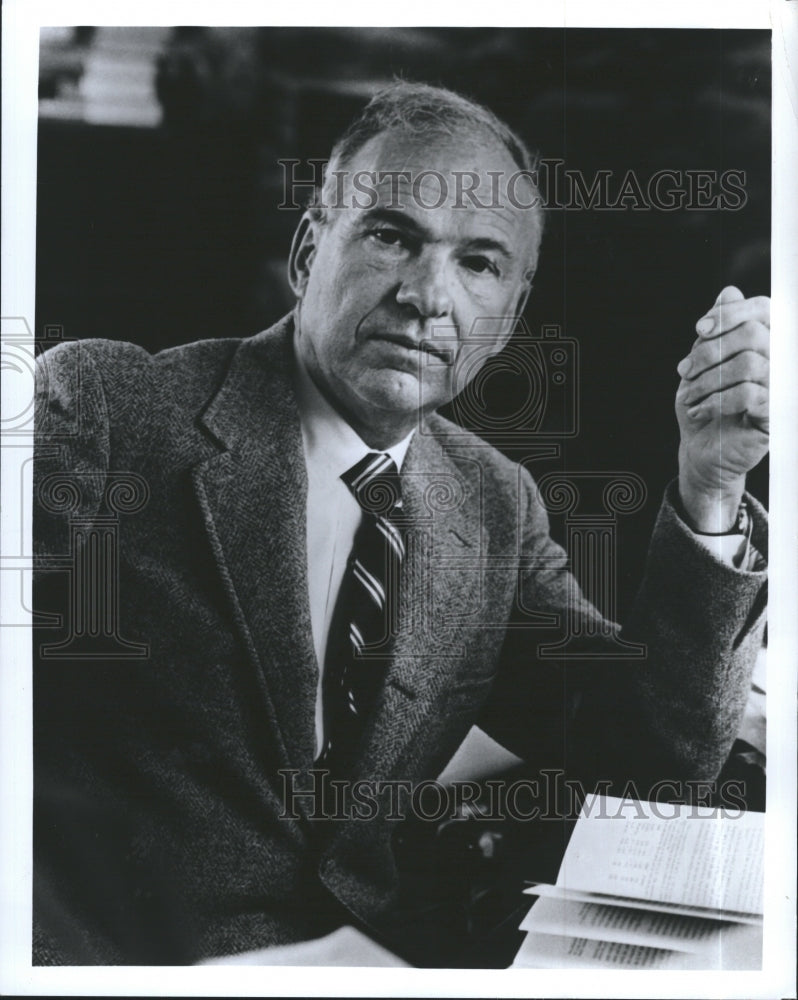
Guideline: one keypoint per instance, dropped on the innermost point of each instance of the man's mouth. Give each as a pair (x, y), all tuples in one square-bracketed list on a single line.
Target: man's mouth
[(443, 354)]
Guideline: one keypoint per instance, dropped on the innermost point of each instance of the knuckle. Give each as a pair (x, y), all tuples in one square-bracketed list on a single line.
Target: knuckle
[(762, 363), (748, 359), (752, 332), (751, 363), (763, 333), (751, 392), (761, 330)]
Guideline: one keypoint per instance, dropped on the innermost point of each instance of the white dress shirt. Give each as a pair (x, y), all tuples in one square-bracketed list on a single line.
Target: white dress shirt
[(333, 515)]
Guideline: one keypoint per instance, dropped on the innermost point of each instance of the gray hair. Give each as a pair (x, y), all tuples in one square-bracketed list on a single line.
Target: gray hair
[(430, 113)]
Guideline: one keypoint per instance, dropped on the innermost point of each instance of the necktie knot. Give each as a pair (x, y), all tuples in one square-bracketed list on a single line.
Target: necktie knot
[(375, 484)]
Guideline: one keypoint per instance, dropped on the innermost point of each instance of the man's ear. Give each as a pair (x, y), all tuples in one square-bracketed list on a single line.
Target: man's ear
[(526, 291), (523, 298), (303, 250)]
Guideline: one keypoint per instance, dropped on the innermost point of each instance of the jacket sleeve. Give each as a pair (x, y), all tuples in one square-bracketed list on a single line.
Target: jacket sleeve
[(669, 713)]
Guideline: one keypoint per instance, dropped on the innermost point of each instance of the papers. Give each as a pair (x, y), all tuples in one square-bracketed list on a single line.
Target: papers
[(694, 856), (642, 904), (643, 886), (619, 923), (543, 951)]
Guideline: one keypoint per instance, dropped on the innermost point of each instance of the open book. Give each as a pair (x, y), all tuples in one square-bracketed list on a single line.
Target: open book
[(644, 885)]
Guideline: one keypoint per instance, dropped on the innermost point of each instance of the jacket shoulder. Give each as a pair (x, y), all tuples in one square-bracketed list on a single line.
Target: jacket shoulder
[(128, 374), (122, 395)]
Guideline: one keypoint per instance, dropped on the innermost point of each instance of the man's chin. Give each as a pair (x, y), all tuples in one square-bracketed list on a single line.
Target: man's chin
[(395, 394), (392, 390)]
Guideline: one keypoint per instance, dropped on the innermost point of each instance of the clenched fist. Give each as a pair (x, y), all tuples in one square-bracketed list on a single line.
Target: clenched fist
[(722, 408)]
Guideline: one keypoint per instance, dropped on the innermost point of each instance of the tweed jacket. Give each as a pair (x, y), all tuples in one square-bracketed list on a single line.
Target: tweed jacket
[(164, 740)]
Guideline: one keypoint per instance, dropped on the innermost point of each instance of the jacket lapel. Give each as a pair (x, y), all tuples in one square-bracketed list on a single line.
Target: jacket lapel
[(253, 496)]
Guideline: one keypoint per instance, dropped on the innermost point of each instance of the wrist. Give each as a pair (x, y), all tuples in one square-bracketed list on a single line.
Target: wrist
[(710, 511)]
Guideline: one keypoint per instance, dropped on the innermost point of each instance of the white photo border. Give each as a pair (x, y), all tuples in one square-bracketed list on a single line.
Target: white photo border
[(21, 22)]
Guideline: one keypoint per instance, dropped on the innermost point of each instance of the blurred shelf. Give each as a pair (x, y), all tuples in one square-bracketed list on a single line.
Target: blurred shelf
[(101, 76)]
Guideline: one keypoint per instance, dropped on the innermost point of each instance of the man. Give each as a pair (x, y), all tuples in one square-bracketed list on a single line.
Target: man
[(317, 570)]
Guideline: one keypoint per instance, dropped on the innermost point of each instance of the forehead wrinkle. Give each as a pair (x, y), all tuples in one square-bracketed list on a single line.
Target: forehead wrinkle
[(399, 194)]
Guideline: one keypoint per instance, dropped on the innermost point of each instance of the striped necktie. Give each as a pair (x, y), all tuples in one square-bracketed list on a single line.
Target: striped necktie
[(366, 612)]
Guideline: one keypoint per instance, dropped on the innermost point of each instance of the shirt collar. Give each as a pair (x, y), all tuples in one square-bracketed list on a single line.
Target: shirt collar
[(329, 441)]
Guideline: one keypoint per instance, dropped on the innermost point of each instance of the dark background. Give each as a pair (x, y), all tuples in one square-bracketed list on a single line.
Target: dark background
[(170, 234)]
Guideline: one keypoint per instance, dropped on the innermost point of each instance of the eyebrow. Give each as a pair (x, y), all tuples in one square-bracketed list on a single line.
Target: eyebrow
[(409, 224)]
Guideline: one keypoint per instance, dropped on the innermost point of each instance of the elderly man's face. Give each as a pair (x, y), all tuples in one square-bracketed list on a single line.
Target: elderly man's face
[(403, 300)]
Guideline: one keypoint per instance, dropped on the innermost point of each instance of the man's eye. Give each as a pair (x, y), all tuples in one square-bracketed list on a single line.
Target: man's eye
[(388, 237), (480, 265)]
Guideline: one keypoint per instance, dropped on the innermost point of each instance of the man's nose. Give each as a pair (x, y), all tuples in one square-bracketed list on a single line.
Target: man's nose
[(426, 285)]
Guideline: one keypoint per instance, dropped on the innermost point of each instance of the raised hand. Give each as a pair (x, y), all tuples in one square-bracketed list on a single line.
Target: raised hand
[(722, 408)]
